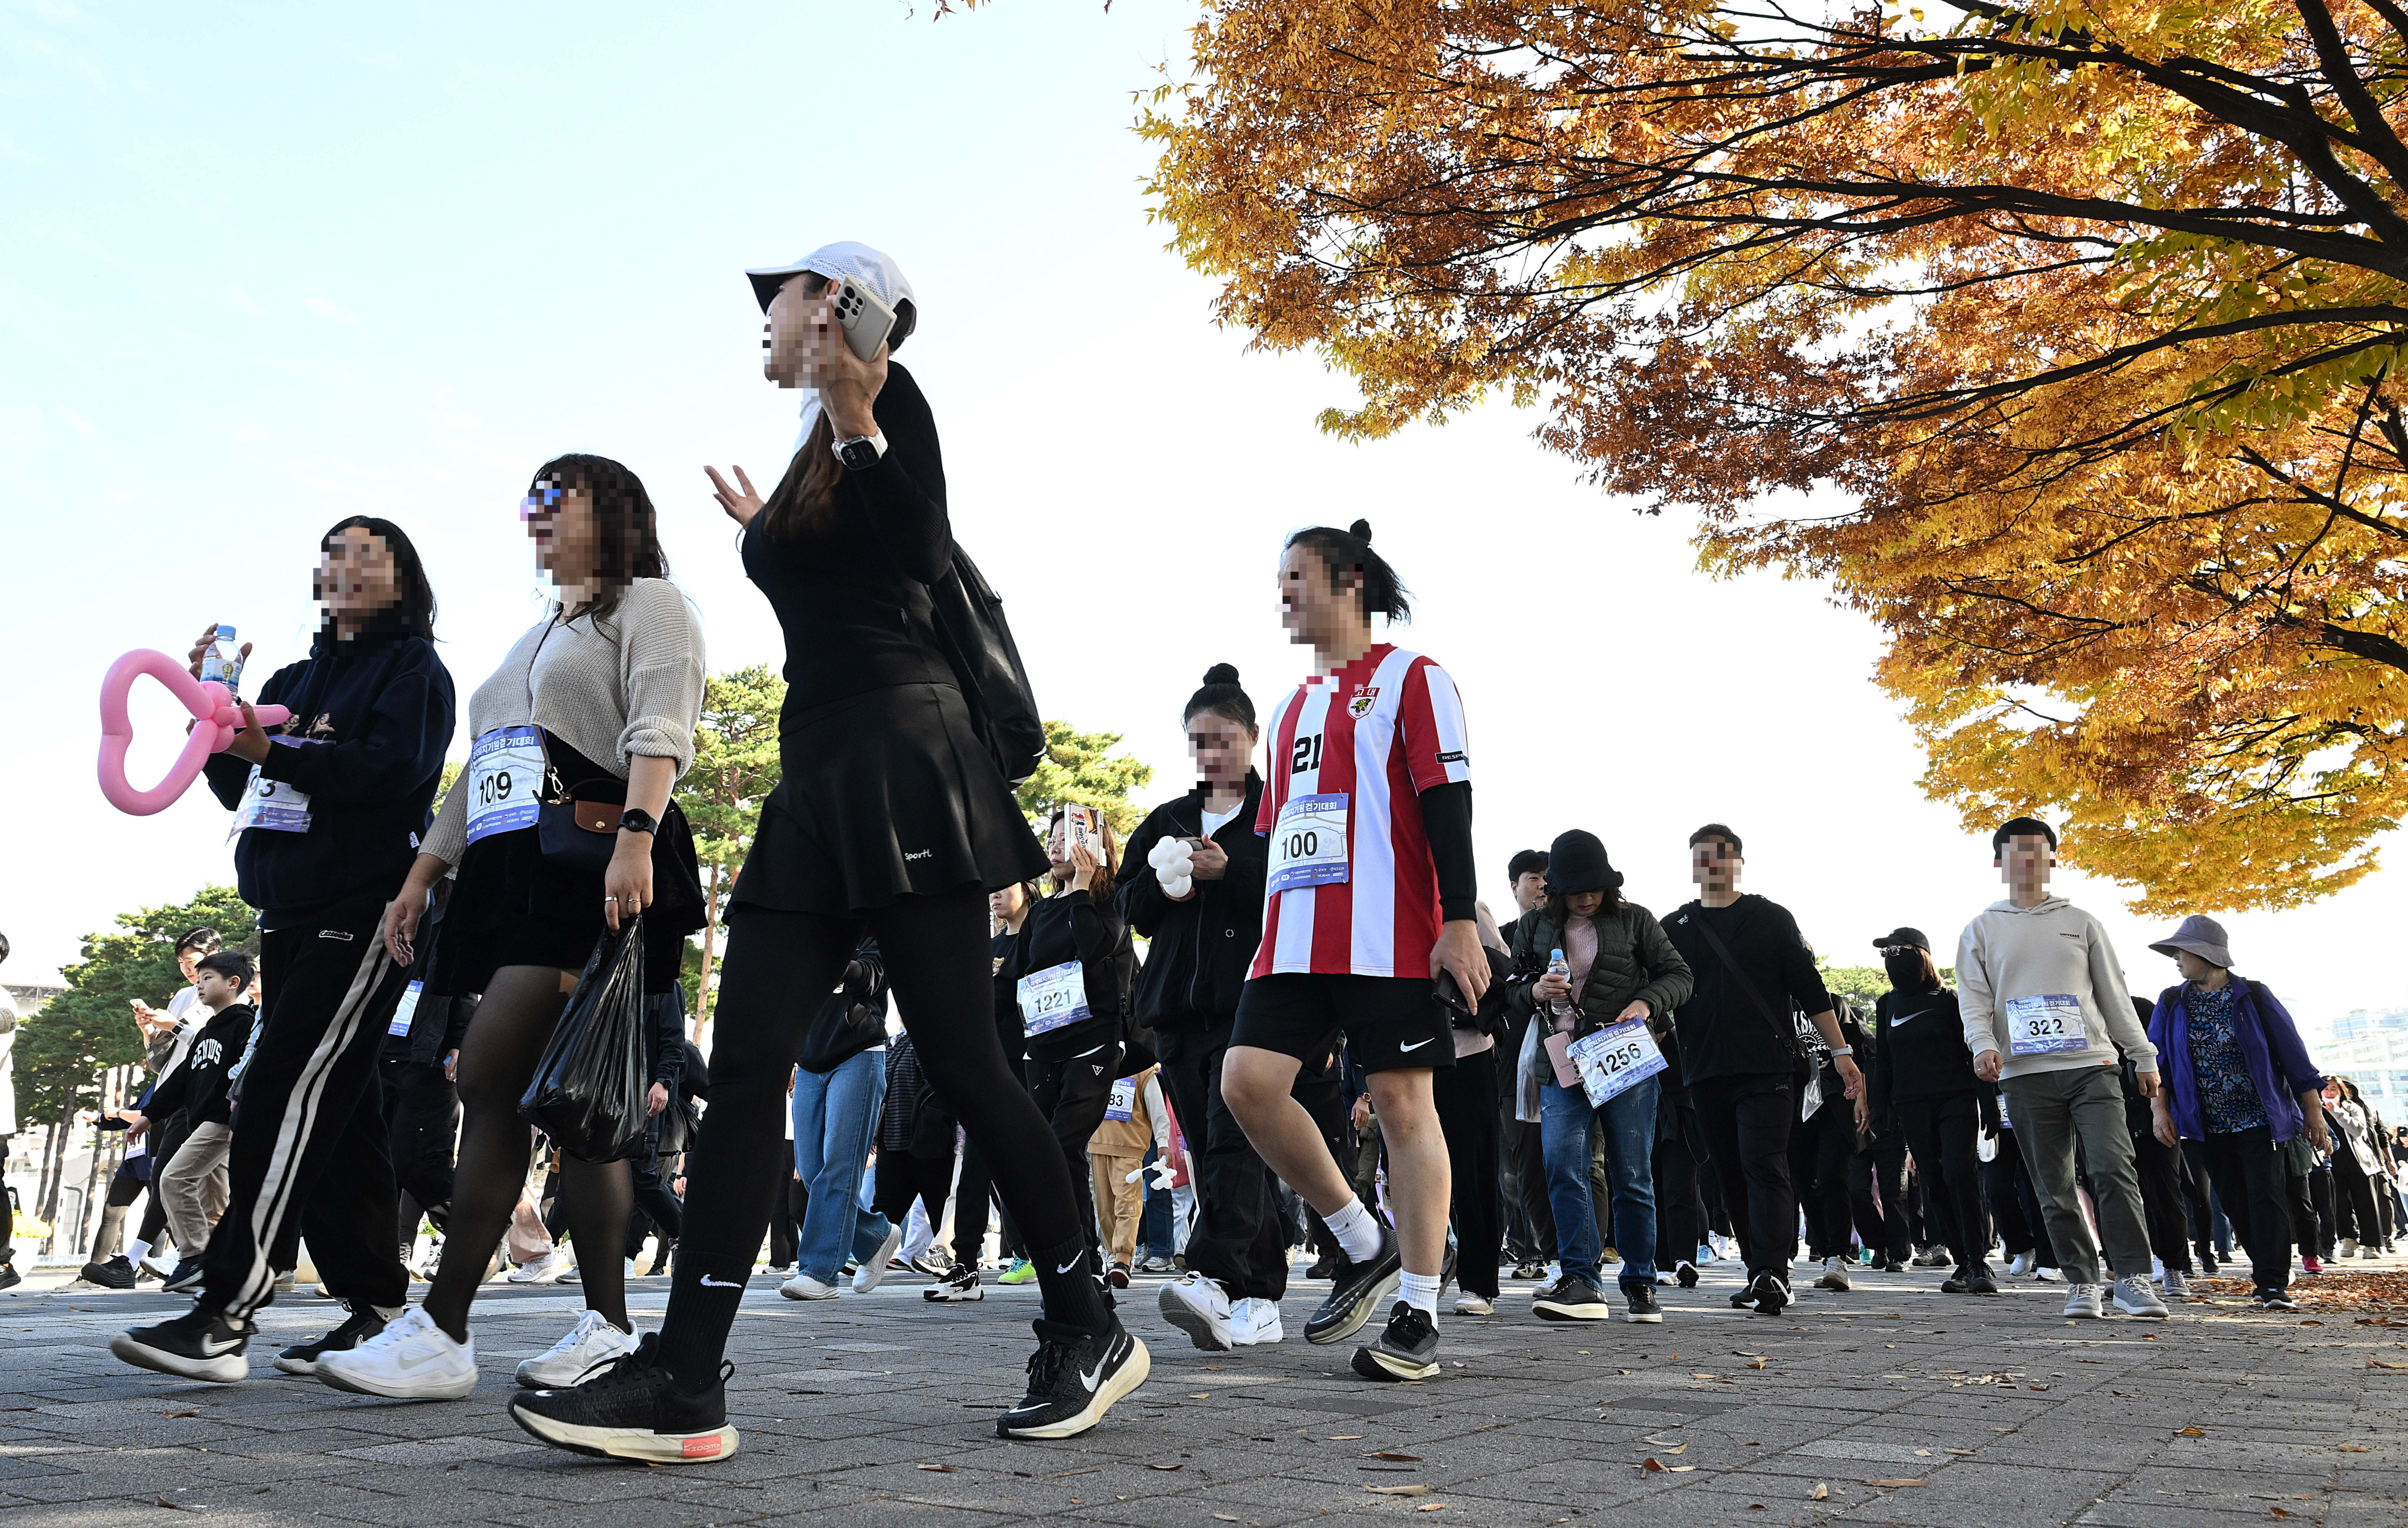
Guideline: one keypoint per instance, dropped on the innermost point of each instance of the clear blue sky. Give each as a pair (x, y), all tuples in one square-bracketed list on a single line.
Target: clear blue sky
[(264, 267)]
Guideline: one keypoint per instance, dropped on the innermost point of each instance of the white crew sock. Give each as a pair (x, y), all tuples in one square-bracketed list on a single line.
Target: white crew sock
[(1356, 1230), (1420, 1290), (134, 1251)]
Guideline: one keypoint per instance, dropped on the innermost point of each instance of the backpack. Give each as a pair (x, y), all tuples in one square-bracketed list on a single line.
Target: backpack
[(986, 661)]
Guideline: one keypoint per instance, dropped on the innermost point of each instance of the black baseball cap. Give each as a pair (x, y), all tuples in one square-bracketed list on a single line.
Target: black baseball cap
[(1903, 935)]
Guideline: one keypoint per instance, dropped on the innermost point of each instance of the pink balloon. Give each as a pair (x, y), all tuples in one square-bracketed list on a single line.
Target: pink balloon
[(215, 721)]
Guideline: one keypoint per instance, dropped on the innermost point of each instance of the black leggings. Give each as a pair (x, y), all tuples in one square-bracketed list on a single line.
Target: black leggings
[(779, 968), (1945, 1134)]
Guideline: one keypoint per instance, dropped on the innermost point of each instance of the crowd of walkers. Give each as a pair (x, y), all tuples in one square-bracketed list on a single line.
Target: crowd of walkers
[(1328, 1038)]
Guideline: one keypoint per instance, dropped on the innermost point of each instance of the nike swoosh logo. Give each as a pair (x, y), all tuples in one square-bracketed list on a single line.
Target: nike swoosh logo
[(709, 1282), (219, 1349), (1068, 1266), (1415, 1046), (1092, 1376)]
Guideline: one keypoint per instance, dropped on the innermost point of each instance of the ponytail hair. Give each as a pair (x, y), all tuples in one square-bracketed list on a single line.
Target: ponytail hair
[(1222, 697), (1349, 552)]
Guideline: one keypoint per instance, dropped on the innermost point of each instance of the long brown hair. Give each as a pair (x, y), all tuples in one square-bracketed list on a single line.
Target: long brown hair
[(1108, 872), (804, 501)]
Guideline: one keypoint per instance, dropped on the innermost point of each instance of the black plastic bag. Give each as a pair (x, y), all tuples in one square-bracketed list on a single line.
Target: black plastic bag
[(589, 1090)]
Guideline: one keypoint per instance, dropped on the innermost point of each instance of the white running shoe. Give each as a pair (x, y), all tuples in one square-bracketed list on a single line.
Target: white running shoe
[(2022, 1266), (1254, 1320), (2134, 1297), (2048, 1275), (546, 1269), (592, 1343), (804, 1287), (873, 1272), (1473, 1304), (2082, 1302), (411, 1360), (1199, 1307), (781, 1270)]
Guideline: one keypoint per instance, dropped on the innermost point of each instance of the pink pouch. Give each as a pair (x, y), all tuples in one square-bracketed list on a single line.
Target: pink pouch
[(1559, 1054)]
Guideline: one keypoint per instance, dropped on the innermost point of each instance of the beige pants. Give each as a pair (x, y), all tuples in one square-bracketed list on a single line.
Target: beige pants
[(1119, 1205), (192, 1189)]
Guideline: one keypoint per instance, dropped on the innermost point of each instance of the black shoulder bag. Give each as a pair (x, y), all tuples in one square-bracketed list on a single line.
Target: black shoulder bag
[(986, 661), (1802, 1071)]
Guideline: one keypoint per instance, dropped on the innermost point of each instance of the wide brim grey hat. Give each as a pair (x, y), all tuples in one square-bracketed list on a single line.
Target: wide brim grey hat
[(848, 260), (2199, 935)]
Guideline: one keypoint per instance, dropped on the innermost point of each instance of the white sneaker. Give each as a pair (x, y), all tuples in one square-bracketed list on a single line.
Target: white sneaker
[(1473, 1304), (873, 1272), (1835, 1275), (1199, 1307), (152, 1264), (2022, 1266), (2157, 1269), (546, 1269), (2134, 1297), (592, 1343), (411, 1360), (2082, 1302), (1254, 1320), (780, 1270), (804, 1287)]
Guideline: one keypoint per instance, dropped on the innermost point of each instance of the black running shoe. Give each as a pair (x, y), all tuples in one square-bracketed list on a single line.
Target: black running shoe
[(1687, 1274), (1533, 1269), (1359, 1289), (9, 1274), (116, 1274), (1572, 1299), (1642, 1305), (1954, 1283), (960, 1283), (186, 1279), (1074, 1379), (302, 1358), (2277, 1300), (1326, 1266), (1408, 1349), (1980, 1282), (201, 1344), (1769, 1294), (634, 1409)]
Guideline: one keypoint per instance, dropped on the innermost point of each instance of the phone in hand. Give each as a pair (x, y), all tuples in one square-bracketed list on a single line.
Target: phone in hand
[(866, 321)]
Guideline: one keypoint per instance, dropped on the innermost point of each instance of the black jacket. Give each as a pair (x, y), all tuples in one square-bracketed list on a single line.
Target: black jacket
[(1918, 1052), (1202, 948), (199, 1087), (1077, 925), (377, 713), (1724, 1032)]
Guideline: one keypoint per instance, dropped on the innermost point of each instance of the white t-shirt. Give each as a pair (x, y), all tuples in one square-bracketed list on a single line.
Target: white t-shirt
[(1215, 821)]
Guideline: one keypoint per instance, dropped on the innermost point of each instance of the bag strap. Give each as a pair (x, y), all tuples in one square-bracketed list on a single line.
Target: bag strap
[(1788, 1032)]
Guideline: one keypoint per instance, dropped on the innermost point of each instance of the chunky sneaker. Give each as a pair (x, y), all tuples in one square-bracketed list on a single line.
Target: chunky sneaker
[(2022, 1266), (804, 1287), (2048, 1275), (411, 1360), (1835, 1275), (1531, 1270), (2177, 1284), (1896, 1265), (2348, 1249), (1685, 1276), (2082, 1302), (184, 1278), (1254, 1321), (116, 1274), (1407, 1350), (151, 1267), (1642, 1307), (2134, 1297), (633, 1410), (960, 1283), (1199, 1306), (2276, 1300), (1769, 1294), (2313, 1265), (873, 1272), (931, 1262), (1467, 1304), (1931, 1257), (302, 1358), (1571, 1298), (1021, 1271), (1956, 1283), (547, 1269), (1119, 1275), (1359, 1289), (1980, 1281), (1074, 1379), (590, 1345), (201, 1344), (10, 1278)]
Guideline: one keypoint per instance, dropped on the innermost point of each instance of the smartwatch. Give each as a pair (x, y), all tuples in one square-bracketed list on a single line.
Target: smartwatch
[(637, 820), (1844, 1050), (861, 451)]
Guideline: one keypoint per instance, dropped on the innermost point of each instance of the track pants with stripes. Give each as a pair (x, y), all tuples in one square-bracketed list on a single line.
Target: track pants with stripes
[(308, 1127)]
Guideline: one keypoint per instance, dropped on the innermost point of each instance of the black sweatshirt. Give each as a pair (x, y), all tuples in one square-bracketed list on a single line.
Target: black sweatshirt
[(376, 714), (1723, 1032), (199, 1087), (1202, 948), (853, 602), (1919, 1050), (1076, 926)]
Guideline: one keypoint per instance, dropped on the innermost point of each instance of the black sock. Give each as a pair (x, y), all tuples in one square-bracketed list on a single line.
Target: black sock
[(1067, 1279), (702, 1308)]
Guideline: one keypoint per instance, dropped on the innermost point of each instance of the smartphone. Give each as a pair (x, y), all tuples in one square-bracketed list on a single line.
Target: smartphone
[(866, 321), (1085, 825)]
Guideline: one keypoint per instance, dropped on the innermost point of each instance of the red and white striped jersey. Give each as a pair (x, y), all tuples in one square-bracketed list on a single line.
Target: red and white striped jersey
[(1379, 732)]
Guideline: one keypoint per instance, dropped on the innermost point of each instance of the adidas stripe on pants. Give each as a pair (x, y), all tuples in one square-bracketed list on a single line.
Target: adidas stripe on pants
[(308, 1118)]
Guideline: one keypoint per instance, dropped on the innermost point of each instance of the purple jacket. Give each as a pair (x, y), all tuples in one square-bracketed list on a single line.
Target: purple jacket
[(2269, 1042)]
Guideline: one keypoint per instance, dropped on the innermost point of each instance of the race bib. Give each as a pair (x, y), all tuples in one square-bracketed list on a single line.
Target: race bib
[(405, 1012), (1613, 1060), (1055, 996), (1309, 845), (1124, 1100), (505, 773), (2042, 1025), (273, 804)]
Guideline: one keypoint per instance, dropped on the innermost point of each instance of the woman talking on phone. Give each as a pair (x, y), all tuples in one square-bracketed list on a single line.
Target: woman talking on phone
[(891, 815), (597, 703)]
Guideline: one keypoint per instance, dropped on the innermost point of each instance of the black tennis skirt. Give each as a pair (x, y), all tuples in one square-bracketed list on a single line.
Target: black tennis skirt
[(887, 794)]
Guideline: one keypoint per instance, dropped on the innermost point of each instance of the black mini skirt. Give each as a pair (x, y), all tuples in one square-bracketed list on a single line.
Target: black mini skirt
[(887, 794)]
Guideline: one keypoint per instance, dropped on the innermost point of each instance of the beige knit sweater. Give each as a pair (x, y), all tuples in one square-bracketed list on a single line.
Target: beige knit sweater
[(627, 684)]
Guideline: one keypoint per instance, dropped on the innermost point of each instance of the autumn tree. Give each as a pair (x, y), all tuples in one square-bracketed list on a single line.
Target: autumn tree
[(2079, 320), (1079, 767), (735, 768)]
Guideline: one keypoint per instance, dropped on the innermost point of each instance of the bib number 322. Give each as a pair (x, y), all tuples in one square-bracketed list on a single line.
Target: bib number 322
[(2045, 1024)]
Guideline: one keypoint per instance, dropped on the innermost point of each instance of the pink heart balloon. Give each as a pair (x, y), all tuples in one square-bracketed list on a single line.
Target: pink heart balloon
[(215, 721)]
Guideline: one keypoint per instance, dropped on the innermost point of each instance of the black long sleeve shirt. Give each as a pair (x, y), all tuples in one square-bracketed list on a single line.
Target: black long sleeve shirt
[(1724, 1030), (1076, 926)]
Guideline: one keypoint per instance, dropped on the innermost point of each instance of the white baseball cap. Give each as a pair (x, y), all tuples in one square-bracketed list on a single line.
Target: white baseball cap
[(847, 260)]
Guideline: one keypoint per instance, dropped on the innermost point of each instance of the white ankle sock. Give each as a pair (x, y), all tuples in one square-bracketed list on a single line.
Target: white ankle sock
[(1356, 1230), (1420, 1290), (135, 1250)]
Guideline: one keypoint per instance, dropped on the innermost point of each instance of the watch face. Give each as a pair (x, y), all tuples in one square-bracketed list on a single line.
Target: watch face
[(858, 455)]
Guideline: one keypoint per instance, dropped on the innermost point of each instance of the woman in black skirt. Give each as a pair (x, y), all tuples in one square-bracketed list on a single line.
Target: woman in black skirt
[(893, 817)]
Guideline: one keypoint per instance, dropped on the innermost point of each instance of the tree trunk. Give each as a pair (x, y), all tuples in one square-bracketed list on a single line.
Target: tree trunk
[(46, 1191), (709, 947)]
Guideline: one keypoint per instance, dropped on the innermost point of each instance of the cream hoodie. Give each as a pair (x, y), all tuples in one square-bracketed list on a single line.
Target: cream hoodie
[(2011, 959)]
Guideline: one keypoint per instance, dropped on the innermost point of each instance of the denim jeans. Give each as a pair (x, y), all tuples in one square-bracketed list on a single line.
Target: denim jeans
[(1629, 1121), (836, 1119)]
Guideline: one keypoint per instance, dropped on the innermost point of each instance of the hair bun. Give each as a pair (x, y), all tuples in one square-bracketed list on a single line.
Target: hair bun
[(1221, 674), (1360, 529)]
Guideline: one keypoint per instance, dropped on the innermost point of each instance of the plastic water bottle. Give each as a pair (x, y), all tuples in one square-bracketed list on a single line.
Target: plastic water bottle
[(222, 662), (1560, 967)]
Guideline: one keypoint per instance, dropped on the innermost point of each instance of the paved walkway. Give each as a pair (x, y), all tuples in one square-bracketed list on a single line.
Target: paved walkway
[(1890, 1405)]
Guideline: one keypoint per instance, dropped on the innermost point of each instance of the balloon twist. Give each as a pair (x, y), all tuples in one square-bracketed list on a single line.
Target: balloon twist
[(215, 719)]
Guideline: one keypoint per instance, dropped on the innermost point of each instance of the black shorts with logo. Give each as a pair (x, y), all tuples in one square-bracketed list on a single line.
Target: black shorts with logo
[(1390, 1022)]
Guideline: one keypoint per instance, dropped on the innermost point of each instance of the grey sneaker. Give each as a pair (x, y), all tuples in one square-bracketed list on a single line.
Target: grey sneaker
[(2082, 1302), (2177, 1284), (2134, 1297), (1835, 1275)]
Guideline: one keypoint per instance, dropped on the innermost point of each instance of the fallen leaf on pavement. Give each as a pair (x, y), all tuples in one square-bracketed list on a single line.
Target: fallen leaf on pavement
[(2383, 1363), (1677, 1448), (1651, 1464), (1431, 1507), (1401, 1459), (2190, 1432), (1152, 1466), (1398, 1490), (184, 1413), (942, 1469), (1819, 1492), (2351, 1448), (1897, 1482)]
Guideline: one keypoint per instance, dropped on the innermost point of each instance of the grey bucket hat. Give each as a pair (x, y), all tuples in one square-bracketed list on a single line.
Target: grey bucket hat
[(2201, 936)]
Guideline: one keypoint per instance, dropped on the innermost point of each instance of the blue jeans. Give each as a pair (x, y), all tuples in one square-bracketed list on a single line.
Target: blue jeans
[(1629, 1121), (836, 1121)]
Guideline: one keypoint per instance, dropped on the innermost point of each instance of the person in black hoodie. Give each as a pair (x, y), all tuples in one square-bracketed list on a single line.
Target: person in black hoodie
[(330, 809), (1203, 942), (1924, 1074), (201, 1091)]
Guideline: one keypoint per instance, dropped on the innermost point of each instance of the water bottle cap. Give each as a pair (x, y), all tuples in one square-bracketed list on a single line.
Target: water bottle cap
[(1559, 955), (225, 633)]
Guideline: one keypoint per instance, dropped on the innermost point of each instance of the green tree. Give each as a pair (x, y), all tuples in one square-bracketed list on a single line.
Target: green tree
[(735, 768), (1077, 767), (1864, 983)]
